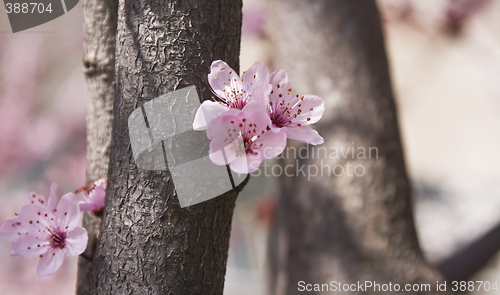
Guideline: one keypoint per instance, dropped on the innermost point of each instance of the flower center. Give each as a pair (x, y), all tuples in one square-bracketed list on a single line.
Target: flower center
[(58, 239), (235, 97), (238, 103), (281, 119)]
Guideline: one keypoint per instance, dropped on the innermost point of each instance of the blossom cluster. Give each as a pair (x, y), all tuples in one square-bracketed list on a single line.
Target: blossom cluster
[(49, 229), (252, 116)]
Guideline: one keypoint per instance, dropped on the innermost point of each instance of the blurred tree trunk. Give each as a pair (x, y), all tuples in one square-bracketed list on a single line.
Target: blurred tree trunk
[(99, 27), (343, 228), (148, 244)]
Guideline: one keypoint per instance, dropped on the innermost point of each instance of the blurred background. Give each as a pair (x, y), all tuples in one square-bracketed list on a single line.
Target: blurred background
[(445, 61)]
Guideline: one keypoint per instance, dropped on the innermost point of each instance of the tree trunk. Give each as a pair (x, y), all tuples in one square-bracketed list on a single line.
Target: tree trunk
[(148, 244), (344, 228), (99, 28)]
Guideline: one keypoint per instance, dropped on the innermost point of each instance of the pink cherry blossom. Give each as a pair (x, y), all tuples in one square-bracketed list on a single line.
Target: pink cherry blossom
[(242, 139), (293, 114), (93, 197), (231, 91), (47, 231)]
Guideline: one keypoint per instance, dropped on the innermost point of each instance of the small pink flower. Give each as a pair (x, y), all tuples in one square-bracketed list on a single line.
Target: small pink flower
[(47, 232), (93, 197), (232, 91), (292, 114), (241, 139)]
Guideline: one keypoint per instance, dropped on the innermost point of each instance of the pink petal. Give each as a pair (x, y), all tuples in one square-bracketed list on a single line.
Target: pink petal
[(30, 245), (256, 81), (303, 134), (256, 113), (52, 197), (226, 154), (206, 113), (50, 262), (34, 217), (67, 211), (85, 207), (226, 142), (76, 241), (37, 199), (241, 165), (97, 196), (221, 128), (273, 144), (312, 108), (223, 77), (9, 229), (279, 77)]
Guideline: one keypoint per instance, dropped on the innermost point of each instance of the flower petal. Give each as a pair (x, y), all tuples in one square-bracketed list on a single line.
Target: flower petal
[(309, 110), (76, 241), (256, 113), (226, 142), (241, 164), (52, 204), (50, 262), (37, 199), (85, 207), (67, 211), (227, 154), (206, 113), (223, 129), (97, 196), (223, 79), (280, 86), (256, 82), (303, 134), (30, 245), (10, 228), (273, 144), (34, 218)]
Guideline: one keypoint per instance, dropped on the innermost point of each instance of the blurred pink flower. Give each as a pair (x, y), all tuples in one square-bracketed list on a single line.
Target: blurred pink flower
[(46, 230), (92, 197), (292, 115), (241, 138), (232, 91), (457, 13), (253, 22)]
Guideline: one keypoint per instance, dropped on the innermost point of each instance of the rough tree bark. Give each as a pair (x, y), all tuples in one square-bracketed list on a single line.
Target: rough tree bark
[(99, 28), (343, 228), (148, 244)]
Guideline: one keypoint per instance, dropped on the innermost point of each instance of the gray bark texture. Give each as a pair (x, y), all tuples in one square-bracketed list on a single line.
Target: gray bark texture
[(99, 27), (148, 244), (343, 228)]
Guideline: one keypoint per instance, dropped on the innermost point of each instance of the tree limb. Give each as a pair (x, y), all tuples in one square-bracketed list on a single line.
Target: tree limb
[(99, 28), (343, 228), (148, 244)]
